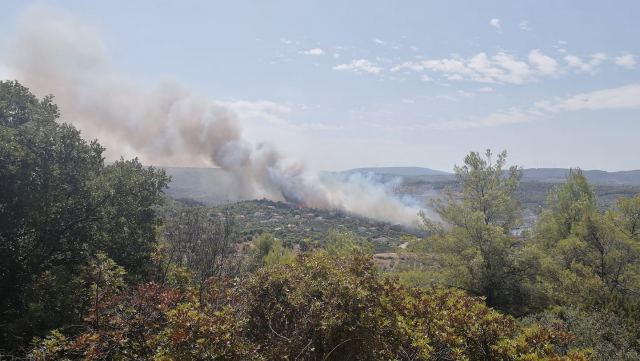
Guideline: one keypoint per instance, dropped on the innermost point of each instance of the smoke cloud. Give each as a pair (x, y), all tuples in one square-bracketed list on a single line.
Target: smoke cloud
[(56, 53)]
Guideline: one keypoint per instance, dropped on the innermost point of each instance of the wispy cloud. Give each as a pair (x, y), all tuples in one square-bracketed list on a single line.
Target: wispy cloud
[(499, 68), (577, 64), (314, 51), (288, 41), (495, 22), (408, 65), (506, 68), (524, 26), (359, 66), (627, 61), (546, 65), (624, 97), (620, 98), (425, 77)]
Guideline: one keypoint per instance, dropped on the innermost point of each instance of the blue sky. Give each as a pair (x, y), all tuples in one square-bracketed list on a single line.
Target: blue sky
[(342, 84)]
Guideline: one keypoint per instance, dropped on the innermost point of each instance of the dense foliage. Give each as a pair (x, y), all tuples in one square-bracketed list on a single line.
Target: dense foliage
[(319, 307), (93, 266), (59, 205), (578, 259)]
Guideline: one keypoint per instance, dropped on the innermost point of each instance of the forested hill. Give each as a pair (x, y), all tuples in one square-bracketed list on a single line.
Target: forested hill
[(543, 175), (599, 177), (206, 185), (400, 171)]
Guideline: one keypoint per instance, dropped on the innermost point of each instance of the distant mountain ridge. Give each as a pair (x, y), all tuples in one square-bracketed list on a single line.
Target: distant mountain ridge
[(600, 177), (543, 175), (207, 185), (399, 171)]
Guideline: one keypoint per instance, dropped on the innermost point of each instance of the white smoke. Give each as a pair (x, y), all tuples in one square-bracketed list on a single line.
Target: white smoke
[(56, 53)]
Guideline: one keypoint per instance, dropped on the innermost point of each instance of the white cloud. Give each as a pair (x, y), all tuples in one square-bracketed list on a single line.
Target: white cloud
[(336, 55), (620, 98), (579, 65), (408, 65), (499, 68), (379, 42), (495, 23), (524, 26), (624, 97), (628, 61), (314, 51), (485, 89), (518, 72), (408, 101), (288, 41), (359, 66), (544, 64), (506, 68)]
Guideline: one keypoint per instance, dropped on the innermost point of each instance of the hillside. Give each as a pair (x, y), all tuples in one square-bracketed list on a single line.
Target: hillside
[(400, 171), (206, 185), (295, 224), (599, 177)]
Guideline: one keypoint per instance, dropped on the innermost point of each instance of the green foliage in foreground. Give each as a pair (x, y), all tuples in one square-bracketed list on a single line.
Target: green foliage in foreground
[(586, 257), (89, 272), (577, 257), (59, 206), (475, 236), (317, 308)]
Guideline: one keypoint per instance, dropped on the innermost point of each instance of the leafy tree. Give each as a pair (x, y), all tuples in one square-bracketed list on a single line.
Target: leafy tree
[(202, 243), (269, 250), (106, 281), (342, 244), (59, 205), (474, 236), (324, 307), (319, 307), (567, 205), (588, 257), (626, 216), (609, 336)]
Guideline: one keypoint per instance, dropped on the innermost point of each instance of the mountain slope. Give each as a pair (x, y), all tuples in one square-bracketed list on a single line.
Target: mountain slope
[(559, 175), (399, 171)]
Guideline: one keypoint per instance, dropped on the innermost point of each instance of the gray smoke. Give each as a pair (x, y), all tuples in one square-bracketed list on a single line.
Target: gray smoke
[(56, 53)]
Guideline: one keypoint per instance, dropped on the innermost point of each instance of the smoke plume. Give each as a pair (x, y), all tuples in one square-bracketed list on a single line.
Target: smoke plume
[(56, 53)]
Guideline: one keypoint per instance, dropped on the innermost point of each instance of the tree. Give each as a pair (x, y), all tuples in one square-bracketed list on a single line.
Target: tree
[(567, 205), (319, 307), (269, 250), (588, 257), (202, 243), (626, 216), (474, 236), (609, 336), (59, 205)]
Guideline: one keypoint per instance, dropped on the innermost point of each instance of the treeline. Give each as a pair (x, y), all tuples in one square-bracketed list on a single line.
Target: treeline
[(578, 265), (95, 266)]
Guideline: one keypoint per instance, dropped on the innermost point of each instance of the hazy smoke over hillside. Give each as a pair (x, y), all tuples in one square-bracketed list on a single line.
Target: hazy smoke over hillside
[(54, 53)]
